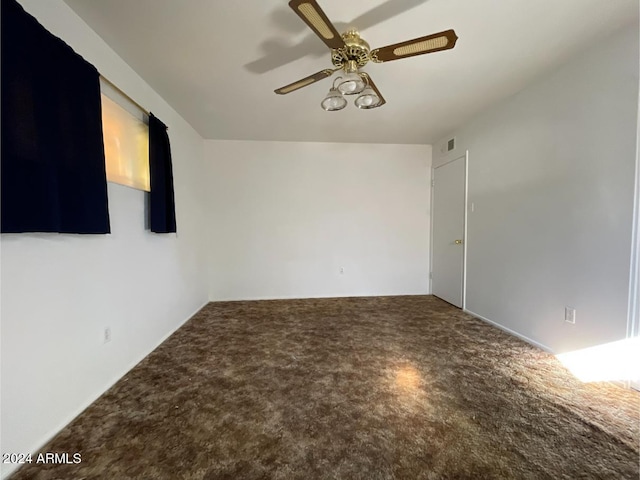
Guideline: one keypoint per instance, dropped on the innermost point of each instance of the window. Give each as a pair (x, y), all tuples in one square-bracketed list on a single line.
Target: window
[(126, 142)]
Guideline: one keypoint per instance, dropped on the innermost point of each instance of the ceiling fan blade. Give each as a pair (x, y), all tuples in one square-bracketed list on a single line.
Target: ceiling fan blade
[(418, 46), (305, 81), (278, 53), (375, 89), (311, 13)]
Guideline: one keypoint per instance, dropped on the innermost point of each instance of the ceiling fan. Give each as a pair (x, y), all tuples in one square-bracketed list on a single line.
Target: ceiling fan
[(349, 52)]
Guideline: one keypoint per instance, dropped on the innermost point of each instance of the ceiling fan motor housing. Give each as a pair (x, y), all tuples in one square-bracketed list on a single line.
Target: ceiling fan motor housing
[(355, 50)]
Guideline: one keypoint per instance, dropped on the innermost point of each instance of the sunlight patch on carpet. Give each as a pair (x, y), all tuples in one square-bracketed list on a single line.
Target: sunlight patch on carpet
[(408, 379), (609, 362)]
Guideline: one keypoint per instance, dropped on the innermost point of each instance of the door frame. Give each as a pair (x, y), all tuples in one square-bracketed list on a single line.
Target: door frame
[(633, 308), (464, 235)]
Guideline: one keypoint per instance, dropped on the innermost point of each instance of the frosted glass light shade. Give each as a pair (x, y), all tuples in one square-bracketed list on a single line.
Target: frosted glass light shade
[(351, 84), (333, 101), (368, 99)]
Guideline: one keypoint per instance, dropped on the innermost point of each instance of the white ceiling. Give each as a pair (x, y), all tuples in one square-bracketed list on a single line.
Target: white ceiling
[(216, 61)]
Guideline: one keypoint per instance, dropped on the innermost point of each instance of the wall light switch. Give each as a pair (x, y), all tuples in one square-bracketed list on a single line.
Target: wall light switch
[(569, 315)]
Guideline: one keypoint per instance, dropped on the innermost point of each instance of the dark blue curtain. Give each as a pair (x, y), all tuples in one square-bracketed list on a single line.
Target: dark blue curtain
[(53, 170), (162, 209)]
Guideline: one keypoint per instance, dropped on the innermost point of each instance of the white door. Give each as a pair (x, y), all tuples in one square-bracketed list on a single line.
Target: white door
[(448, 231)]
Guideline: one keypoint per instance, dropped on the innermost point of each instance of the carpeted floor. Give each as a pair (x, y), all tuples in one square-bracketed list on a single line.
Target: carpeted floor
[(356, 388)]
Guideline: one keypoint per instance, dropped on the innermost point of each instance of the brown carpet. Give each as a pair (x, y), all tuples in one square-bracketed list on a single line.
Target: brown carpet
[(356, 388)]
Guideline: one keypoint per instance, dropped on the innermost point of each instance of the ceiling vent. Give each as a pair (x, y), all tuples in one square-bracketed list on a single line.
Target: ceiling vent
[(451, 144)]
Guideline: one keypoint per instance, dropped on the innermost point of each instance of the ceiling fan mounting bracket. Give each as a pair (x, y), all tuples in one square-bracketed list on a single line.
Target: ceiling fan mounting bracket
[(356, 49)]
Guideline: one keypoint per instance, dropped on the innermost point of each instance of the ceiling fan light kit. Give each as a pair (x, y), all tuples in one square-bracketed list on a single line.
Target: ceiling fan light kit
[(368, 98), (349, 52)]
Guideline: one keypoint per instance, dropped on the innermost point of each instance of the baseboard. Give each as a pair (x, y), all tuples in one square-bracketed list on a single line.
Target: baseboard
[(51, 434), (618, 383), (512, 332), (350, 295)]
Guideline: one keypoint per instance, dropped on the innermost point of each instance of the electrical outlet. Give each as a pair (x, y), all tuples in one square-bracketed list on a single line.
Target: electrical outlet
[(341, 270), (569, 315), (106, 336)]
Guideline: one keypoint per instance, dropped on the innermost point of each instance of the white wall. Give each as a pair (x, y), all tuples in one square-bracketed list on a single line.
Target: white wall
[(551, 176), (284, 217), (60, 291)]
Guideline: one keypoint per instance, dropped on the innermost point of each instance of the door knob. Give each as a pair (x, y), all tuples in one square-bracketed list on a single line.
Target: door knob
[(458, 242)]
